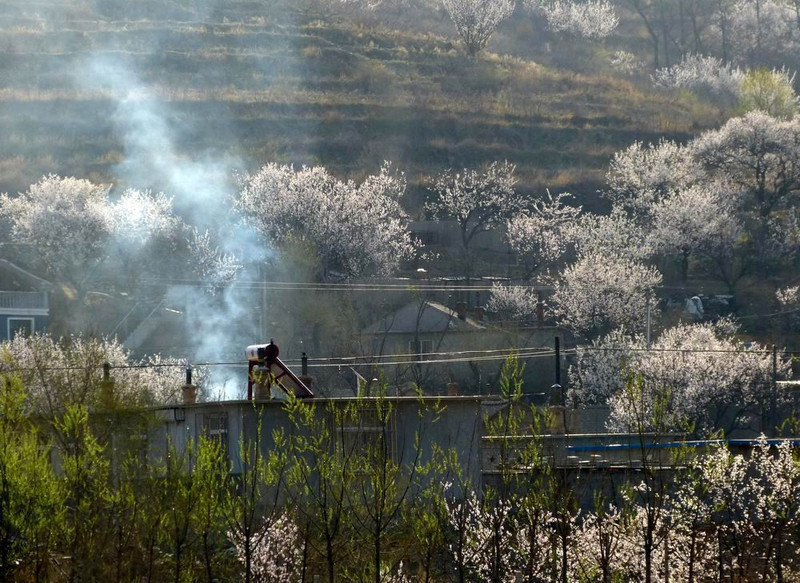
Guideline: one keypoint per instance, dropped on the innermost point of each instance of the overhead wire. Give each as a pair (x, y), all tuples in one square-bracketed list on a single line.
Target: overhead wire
[(684, 350), (521, 355), (402, 359), (409, 285)]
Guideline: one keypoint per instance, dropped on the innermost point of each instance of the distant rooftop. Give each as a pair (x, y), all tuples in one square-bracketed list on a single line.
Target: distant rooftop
[(433, 317)]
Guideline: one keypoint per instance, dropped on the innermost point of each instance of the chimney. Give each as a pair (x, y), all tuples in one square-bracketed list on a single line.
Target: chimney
[(189, 390), (304, 376), (477, 313), (107, 388), (461, 310)]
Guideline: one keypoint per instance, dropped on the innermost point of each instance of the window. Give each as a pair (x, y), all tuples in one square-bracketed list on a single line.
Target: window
[(139, 445), (370, 431), (22, 326), (215, 426), (421, 347), (428, 237)]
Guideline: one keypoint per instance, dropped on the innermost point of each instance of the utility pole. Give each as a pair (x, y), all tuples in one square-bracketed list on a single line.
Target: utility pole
[(557, 393), (263, 330), (649, 316)]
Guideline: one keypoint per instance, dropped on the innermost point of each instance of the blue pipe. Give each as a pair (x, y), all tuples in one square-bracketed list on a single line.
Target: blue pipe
[(674, 444)]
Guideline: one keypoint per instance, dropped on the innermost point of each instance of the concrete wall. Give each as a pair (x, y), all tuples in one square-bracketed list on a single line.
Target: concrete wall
[(458, 426)]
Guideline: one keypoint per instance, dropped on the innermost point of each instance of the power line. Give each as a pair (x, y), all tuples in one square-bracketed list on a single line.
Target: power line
[(526, 356), (521, 356), (685, 350), (449, 353), (410, 285), (503, 352), (794, 311), (377, 360)]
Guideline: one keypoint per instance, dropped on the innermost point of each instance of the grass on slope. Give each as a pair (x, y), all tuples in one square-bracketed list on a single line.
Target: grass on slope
[(314, 92)]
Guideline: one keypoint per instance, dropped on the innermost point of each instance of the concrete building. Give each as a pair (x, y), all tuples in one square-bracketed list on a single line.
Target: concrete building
[(428, 330), (24, 301), (451, 423)]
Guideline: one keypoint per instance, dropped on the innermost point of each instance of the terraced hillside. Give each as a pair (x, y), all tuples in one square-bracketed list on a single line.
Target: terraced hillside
[(81, 93)]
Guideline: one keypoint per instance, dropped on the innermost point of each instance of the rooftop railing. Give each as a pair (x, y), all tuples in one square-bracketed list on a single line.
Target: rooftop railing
[(23, 300)]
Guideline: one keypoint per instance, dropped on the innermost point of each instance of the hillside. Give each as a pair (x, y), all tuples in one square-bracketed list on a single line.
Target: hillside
[(241, 89)]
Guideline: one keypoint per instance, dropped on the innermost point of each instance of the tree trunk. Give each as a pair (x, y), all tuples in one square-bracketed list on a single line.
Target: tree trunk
[(248, 560), (305, 554), (4, 503), (684, 266), (178, 553), (329, 558), (207, 558), (377, 557)]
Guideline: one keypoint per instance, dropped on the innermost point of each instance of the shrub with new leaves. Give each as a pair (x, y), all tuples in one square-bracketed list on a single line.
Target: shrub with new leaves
[(769, 90)]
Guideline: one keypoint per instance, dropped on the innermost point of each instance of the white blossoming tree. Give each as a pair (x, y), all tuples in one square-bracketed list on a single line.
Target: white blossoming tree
[(479, 201), (359, 229), (539, 237), (616, 233), (599, 371), (277, 554), (63, 222), (513, 302), (71, 227), (699, 220), (642, 175), (760, 89), (728, 197), (758, 31), (589, 19), (476, 20), (760, 155), (700, 371), (703, 75), (208, 262), (68, 372), (752, 507), (600, 292), (143, 226)]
